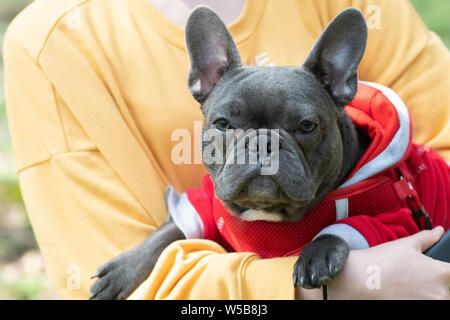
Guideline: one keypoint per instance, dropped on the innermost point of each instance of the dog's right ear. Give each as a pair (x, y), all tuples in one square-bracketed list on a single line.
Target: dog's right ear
[(211, 51)]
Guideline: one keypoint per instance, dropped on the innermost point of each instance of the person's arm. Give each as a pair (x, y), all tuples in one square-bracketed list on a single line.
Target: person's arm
[(404, 55), (89, 200)]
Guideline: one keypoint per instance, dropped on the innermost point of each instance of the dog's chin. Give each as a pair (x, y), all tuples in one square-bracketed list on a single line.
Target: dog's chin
[(276, 212), (261, 215)]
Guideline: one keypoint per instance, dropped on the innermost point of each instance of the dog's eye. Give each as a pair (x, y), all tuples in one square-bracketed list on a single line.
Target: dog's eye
[(222, 124), (307, 126)]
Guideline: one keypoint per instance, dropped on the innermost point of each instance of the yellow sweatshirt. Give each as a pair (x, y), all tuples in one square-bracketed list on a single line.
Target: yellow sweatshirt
[(95, 89)]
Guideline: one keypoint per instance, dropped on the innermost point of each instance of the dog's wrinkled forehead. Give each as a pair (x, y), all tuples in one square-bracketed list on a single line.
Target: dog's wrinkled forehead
[(268, 92)]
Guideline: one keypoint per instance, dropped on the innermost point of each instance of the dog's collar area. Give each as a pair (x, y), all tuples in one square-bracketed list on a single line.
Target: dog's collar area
[(389, 126)]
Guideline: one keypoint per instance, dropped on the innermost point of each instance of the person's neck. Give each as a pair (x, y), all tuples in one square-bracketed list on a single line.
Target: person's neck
[(177, 11)]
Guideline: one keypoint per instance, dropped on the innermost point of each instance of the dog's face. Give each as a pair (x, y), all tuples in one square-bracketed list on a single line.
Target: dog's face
[(288, 117)]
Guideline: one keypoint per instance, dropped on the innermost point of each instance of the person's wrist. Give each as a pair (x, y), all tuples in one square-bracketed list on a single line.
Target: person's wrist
[(352, 282), (308, 294), (347, 285)]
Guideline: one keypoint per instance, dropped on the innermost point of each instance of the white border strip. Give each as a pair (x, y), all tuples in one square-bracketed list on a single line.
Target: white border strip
[(353, 237), (341, 208), (396, 148), (184, 214)]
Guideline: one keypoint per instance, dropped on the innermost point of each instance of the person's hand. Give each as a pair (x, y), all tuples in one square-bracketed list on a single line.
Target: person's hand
[(393, 270)]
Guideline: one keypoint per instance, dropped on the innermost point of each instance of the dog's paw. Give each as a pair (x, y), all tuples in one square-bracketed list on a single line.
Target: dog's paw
[(117, 278), (320, 261)]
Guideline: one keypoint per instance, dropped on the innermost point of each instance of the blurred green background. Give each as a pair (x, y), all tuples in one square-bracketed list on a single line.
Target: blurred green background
[(21, 267)]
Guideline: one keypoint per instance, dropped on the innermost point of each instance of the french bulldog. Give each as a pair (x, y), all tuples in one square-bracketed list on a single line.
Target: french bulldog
[(318, 147)]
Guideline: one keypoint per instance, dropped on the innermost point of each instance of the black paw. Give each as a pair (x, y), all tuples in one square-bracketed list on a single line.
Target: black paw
[(117, 278), (320, 261)]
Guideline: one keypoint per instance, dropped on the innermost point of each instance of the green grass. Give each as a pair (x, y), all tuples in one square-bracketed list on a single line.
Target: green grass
[(28, 287), (436, 16)]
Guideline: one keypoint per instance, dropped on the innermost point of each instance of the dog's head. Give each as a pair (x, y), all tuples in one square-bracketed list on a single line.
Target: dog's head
[(286, 119)]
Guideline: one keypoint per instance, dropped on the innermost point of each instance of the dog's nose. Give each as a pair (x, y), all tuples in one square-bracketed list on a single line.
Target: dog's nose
[(260, 144)]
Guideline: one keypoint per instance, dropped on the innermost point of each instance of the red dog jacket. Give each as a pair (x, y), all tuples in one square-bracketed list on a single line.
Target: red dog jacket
[(376, 204)]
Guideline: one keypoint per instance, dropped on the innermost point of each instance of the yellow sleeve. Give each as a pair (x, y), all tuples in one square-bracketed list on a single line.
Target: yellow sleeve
[(404, 55), (200, 269), (86, 200)]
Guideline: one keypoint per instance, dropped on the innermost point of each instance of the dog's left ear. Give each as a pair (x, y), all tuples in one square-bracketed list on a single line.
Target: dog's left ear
[(336, 55)]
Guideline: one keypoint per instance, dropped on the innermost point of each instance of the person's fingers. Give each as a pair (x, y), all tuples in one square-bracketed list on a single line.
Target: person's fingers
[(425, 239)]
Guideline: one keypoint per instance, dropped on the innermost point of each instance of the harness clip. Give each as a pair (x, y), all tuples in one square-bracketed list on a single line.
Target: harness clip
[(417, 214)]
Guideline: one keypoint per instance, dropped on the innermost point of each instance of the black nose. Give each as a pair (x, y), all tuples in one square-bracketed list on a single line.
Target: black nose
[(265, 149), (261, 143)]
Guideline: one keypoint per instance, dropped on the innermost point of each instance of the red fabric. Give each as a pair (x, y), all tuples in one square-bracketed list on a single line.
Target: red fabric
[(376, 207), (373, 113), (383, 227)]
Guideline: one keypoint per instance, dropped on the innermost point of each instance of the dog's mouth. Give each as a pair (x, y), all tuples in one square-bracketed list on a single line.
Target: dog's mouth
[(263, 199), (275, 206), (262, 192), (267, 211)]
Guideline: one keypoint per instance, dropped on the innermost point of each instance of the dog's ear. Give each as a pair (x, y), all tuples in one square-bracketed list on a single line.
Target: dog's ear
[(211, 51), (336, 55)]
